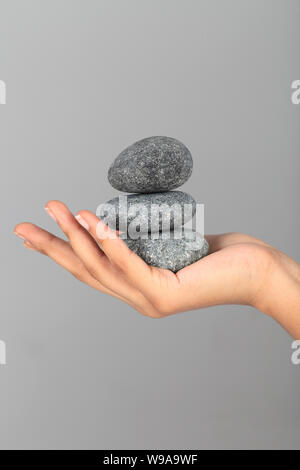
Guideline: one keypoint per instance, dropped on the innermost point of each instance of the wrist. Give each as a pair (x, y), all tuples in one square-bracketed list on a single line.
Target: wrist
[(279, 292), (268, 265)]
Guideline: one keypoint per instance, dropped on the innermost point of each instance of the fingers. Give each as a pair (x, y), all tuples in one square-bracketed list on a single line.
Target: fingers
[(117, 269), (83, 245), (35, 238), (135, 269), (152, 283), (94, 259)]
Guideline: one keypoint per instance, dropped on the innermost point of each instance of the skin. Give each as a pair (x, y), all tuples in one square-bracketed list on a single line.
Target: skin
[(240, 269)]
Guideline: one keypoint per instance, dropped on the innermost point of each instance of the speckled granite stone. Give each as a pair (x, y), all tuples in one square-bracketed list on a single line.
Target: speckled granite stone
[(151, 165), (149, 211), (173, 254)]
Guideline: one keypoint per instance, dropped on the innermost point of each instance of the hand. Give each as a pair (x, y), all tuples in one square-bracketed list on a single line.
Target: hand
[(240, 269)]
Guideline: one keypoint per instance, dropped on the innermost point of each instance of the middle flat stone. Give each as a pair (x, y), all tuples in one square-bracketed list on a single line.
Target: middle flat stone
[(148, 212)]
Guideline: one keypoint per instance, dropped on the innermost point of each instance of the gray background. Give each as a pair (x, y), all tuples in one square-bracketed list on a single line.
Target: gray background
[(84, 80)]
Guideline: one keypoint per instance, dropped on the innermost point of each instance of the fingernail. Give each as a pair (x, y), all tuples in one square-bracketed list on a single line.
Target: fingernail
[(49, 211), (82, 222), (20, 236), (103, 231), (28, 245)]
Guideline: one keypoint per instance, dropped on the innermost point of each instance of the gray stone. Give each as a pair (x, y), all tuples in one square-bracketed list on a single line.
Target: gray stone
[(173, 254), (151, 165), (146, 212)]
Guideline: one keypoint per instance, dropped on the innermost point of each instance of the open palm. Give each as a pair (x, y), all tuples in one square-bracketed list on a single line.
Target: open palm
[(232, 273)]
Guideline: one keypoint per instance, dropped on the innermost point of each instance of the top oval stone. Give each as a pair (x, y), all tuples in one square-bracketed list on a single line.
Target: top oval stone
[(150, 165)]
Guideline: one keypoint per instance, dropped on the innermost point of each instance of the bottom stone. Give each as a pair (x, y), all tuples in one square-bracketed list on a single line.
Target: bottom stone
[(171, 253)]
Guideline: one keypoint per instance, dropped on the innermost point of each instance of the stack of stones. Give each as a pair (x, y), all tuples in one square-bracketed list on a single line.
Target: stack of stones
[(151, 168)]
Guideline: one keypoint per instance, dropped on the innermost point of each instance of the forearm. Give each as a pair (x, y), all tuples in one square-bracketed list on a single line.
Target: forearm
[(280, 295)]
